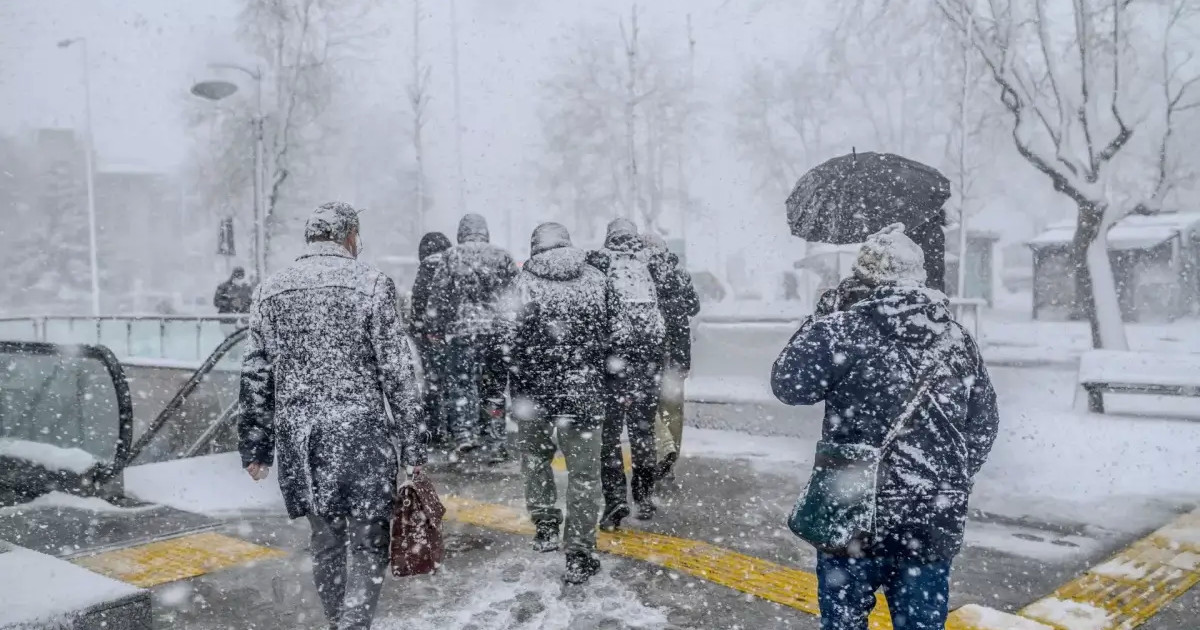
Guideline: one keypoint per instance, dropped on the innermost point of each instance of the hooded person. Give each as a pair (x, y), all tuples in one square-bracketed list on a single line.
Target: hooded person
[(327, 357), (470, 296), (234, 295), (559, 354), (679, 303), (900, 379), (430, 338), (636, 330)]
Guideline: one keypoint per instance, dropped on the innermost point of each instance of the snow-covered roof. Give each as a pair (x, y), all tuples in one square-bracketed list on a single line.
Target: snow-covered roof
[(1132, 232)]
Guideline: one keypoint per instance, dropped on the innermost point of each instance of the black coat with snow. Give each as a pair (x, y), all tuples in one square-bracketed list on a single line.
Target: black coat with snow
[(628, 321), (472, 287), (431, 254), (326, 349), (678, 301), (863, 363), (233, 296), (559, 346)]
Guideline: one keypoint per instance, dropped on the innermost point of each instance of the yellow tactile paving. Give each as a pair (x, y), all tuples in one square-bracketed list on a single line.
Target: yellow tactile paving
[(175, 559), (559, 463), (1132, 586)]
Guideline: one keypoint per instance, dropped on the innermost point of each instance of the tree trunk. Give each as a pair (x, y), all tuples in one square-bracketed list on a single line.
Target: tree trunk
[(1095, 287)]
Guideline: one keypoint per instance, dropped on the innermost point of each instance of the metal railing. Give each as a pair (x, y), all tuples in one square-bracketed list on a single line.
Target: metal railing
[(185, 338)]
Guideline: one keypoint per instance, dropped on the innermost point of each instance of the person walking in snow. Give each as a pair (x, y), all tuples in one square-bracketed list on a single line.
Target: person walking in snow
[(471, 289), (908, 400), (559, 352), (634, 369), (327, 356), (431, 339), (679, 303)]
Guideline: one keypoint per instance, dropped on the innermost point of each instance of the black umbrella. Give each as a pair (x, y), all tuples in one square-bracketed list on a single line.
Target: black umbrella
[(848, 198)]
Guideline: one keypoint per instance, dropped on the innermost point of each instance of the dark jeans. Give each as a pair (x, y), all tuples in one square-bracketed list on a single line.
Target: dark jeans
[(493, 388), (632, 384), (349, 560), (477, 373), (917, 593), (437, 399)]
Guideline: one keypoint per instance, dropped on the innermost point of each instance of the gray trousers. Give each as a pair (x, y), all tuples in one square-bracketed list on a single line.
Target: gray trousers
[(581, 449), (349, 560)]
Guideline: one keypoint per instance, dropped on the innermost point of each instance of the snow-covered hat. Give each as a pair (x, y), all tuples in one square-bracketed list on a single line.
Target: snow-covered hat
[(890, 257), (334, 221)]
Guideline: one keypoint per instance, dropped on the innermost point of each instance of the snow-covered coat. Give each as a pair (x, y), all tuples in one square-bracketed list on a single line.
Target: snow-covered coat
[(559, 347), (622, 240), (863, 363), (678, 301), (471, 288), (326, 349)]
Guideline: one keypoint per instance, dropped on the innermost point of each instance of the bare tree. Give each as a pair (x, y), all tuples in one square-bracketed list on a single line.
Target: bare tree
[(301, 43), (612, 130), (1061, 76)]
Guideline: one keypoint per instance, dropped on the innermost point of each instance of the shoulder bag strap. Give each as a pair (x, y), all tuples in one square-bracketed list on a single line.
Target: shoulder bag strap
[(920, 389)]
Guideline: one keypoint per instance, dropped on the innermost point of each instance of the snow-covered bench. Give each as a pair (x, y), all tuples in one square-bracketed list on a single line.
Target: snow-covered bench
[(1106, 371)]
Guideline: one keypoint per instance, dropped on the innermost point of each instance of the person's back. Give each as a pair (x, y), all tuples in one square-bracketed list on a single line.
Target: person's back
[(473, 280), (327, 358), (559, 351), (899, 378), (559, 342), (470, 299)]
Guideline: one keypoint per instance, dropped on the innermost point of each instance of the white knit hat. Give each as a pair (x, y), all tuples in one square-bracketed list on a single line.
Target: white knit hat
[(890, 257)]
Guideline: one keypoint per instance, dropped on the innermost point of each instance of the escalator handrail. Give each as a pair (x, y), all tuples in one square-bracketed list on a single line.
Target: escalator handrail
[(181, 396), (120, 386)]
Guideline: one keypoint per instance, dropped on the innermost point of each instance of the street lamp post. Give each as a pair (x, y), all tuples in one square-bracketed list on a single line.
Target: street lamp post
[(91, 184), (218, 90)]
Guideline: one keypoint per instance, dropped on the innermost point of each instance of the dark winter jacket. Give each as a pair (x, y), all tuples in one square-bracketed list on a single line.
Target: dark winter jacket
[(326, 349), (622, 239), (863, 363), (561, 329), (471, 288), (678, 301), (431, 254), (233, 296)]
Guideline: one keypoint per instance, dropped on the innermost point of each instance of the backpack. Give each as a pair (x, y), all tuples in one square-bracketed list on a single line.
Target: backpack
[(637, 322)]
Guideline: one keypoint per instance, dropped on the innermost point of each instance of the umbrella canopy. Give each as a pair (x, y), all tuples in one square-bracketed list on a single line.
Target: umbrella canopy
[(848, 198)]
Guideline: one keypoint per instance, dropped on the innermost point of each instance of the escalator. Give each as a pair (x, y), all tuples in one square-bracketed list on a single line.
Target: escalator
[(69, 432)]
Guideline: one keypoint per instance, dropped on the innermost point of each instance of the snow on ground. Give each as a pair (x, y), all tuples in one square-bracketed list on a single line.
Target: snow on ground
[(982, 618), (528, 592), (40, 590), (1069, 615), (48, 456), (213, 484), (63, 500)]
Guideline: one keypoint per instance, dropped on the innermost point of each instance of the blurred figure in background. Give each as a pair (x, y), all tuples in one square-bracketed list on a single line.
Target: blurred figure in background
[(679, 303), (559, 352), (233, 297), (470, 294), (430, 338)]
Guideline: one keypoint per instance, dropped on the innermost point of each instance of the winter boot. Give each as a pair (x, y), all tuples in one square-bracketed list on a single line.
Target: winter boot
[(613, 515), (546, 538), (581, 566), (646, 509)]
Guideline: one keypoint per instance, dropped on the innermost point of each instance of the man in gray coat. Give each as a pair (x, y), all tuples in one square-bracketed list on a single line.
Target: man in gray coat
[(327, 356)]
